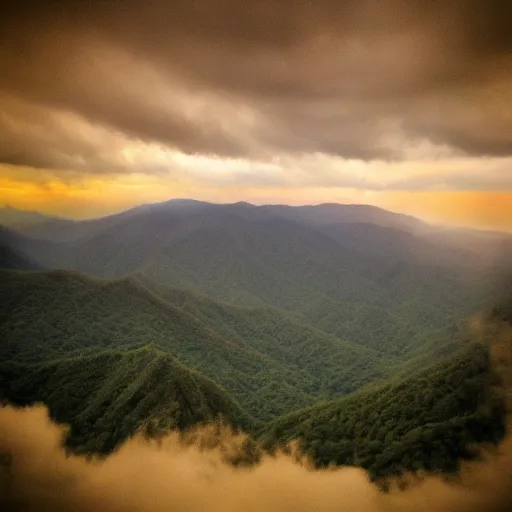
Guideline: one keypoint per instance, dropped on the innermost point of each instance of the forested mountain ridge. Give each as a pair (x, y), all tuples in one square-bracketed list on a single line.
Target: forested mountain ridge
[(112, 357), (381, 287), (429, 421), (292, 323), (63, 229), (22, 219), (110, 395), (463, 244), (251, 352)]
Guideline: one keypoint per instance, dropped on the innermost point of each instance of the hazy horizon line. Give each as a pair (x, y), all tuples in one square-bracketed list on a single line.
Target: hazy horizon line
[(438, 225)]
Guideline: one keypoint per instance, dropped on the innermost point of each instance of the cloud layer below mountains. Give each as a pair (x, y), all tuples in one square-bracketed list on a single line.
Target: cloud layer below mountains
[(170, 475), (36, 474)]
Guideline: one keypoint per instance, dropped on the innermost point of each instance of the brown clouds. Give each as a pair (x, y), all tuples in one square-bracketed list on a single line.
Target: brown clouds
[(37, 475), (366, 80)]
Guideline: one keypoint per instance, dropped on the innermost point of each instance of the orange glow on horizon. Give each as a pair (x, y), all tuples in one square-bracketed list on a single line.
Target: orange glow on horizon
[(478, 209), (97, 196)]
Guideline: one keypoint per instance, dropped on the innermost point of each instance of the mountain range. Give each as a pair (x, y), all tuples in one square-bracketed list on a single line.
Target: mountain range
[(286, 322)]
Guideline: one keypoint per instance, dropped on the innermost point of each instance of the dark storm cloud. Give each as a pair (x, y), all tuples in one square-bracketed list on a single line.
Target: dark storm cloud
[(326, 76)]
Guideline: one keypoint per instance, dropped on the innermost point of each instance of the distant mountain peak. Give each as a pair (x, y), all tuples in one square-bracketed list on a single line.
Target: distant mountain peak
[(244, 203), (11, 216)]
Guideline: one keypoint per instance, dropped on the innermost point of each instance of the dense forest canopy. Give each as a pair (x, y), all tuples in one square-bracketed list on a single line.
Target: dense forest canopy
[(349, 337)]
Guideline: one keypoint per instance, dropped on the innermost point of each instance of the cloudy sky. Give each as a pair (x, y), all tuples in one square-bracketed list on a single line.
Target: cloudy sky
[(406, 104)]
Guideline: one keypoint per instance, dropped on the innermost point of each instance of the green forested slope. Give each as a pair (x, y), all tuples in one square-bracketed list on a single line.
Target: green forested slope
[(111, 356), (250, 352), (108, 396), (380, 287), (430, 420)]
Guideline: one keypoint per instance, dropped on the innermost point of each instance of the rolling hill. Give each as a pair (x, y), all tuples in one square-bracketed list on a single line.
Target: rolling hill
[(110, 395), (11, 259), (22, 219), (110, 357), (381, 287), (429, 421), (338, 325), (251, 352)]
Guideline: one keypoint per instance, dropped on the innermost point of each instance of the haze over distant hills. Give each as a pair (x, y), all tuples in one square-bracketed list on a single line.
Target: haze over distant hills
[(376, 284), (21, 219), (58, 228), (181, 312)]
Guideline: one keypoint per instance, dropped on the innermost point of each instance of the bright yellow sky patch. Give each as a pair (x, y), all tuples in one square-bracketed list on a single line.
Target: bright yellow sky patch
[(95, 196), (481, 209)]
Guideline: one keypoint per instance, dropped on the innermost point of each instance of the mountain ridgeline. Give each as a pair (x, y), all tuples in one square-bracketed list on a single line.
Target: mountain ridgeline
[(109, 396), (387, 286), (430, 421), (265, 358), (339, 326)]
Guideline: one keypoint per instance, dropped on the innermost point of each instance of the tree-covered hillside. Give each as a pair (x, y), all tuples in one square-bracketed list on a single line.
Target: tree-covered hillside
[(367, 282), (429, 421), (254, 353), (112, 356), (292, 323), (108, 396)]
